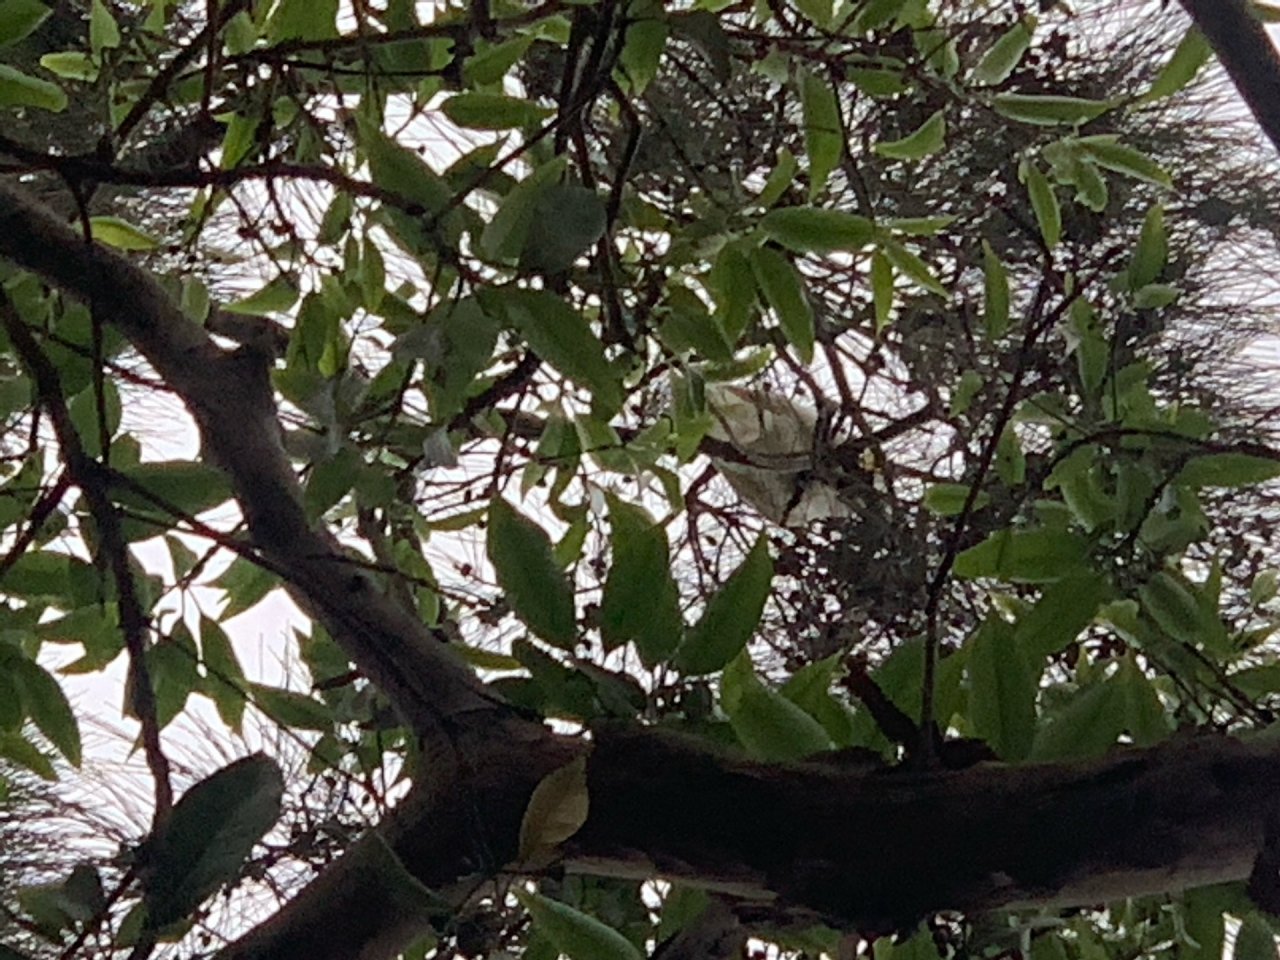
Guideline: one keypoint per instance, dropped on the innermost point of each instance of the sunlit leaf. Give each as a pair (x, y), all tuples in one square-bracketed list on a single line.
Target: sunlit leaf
[(276, 297), (929, 137), (1048, 109), (995, 289), (1043, 202), (493, 111), (1004, 55), (1151, 251), (121, 234), (1106, 152), (556, 811), (71, 64), (1229, 470), (1192, 53)]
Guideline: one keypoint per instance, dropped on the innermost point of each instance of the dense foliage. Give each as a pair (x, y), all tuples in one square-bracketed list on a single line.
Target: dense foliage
[(873, 385)]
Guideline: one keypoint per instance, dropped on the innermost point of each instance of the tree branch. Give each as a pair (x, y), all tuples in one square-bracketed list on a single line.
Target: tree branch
[(1245, 50)]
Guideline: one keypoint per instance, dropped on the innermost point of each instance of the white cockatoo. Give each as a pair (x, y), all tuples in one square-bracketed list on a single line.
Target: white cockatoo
[(776, 440)]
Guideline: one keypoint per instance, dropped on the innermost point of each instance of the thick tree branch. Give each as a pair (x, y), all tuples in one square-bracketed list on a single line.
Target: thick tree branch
[(1245, 50), (229, 395), (866, 850)]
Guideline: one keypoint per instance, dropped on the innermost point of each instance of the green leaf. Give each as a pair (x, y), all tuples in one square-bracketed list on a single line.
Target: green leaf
[(557, 810), (779, 180), (704, 30), (817, 230), (823, 130), (291, 709), (1048, 110), (688, 326), (210, 834), (1155, 296), (769, 725), (645, 41), (224, 681), (17, 748), (493, 60), (816, 11), (104, 32), (1004, 55), (1228, 470), (531, 580), (46, 705), (1144, 715), (303, 20), (1002, 691), (995, 289), (1043, 201), (330, 480), (42, 573), (18, 18), (71, 64), (560, 335), (1151, 251), (1106, 152), (1025, 556), (875, 14), (1255, 940), (506, 236), (121, 234), (187, 486), (406, 174), (1177, 608), (783, 290), (929, 138), (455, 344), (493, 111), (1087, 726), (911, 266), (731, 615), (568, 219), (276, 297), (245, 584), (882, 289), (1061, 614), (948, 499), (18, 89), (640, 601), (1192, 53), (732, 283), (809, 688), (574, 934), (172, 665)]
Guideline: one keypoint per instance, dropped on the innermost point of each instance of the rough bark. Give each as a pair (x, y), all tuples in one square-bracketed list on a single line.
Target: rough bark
[(866, 850)]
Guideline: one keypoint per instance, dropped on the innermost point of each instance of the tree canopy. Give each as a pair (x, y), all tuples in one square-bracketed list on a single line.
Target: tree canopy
[(787, 476)]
